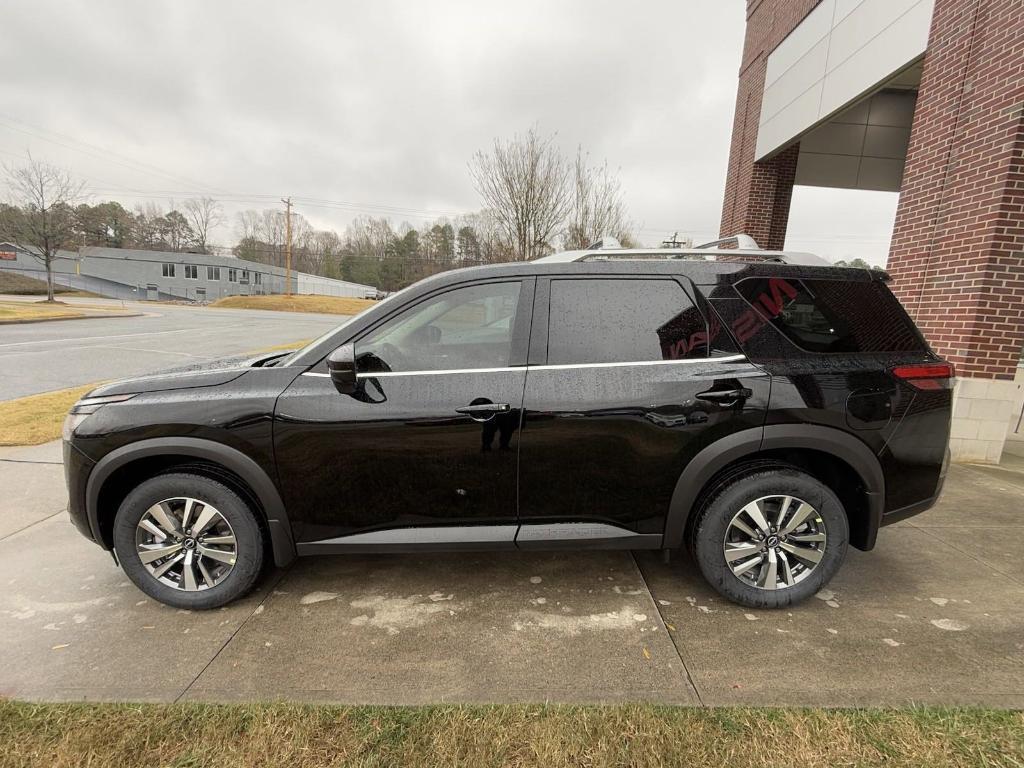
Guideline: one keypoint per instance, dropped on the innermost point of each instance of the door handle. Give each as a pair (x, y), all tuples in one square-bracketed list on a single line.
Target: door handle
[(483, 411), (725, 396)]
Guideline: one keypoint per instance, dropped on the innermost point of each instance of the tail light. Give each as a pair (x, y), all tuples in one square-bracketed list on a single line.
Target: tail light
[(929, 376)]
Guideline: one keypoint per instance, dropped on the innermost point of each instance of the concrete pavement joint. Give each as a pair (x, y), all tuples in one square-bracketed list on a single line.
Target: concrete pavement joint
[(270, 591), (33, 461), (32, 524), (671, 637)]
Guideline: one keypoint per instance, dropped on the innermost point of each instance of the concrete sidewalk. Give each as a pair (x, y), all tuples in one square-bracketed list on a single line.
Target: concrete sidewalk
[(935, 614)]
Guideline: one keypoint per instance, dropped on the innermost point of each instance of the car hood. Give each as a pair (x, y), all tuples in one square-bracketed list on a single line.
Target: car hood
[(207, 374)]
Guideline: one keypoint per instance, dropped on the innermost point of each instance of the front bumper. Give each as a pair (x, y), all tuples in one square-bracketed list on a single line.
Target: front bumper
[(77, 467)]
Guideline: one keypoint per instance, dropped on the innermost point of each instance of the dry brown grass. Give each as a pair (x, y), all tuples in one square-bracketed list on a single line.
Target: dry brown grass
[(20, 311), (37, 418), (281, 347), (330, 305), (64, 735)]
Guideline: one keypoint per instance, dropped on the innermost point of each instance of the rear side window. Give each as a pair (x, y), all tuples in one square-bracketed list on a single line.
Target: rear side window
[(623, 321), (830, 315)]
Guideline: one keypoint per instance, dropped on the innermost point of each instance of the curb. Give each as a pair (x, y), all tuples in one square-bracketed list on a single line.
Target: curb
[(23, 321)]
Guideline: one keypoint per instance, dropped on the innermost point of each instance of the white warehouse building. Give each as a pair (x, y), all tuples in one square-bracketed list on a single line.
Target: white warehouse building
[(123, 273)]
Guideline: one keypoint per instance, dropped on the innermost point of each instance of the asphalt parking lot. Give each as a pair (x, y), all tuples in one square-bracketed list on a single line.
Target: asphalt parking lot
[(934, 615), (40, 357)]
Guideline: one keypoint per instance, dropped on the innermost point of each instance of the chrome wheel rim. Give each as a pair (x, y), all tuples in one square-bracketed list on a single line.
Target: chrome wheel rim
[(186, 544), (775, 542)]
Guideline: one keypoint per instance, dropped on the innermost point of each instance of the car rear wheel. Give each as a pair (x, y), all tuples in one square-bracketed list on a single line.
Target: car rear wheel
[(771, 538), (188, 541)]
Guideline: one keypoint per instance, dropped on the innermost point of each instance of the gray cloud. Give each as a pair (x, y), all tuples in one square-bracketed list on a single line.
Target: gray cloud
[(378, 103)]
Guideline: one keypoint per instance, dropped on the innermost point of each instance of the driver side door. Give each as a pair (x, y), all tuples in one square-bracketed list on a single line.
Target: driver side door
[(429, 439)]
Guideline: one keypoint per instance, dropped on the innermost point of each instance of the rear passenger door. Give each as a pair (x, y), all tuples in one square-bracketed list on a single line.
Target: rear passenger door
[(625, 385)]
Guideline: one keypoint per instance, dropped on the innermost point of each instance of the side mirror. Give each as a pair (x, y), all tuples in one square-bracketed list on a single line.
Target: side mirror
[(342, 365)]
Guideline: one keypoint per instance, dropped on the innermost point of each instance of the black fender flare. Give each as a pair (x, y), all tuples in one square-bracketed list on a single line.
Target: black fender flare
[(230, 458), (749, 442)]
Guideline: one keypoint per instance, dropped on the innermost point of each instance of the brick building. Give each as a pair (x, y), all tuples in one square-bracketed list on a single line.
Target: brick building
[(923, 97)]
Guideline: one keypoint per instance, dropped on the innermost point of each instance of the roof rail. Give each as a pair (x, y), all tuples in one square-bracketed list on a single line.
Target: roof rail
[(605, 242), (745, 242)]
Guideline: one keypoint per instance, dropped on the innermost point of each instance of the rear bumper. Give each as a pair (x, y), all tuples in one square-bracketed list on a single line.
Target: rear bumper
[(77, 467), (916, 508), (895, 515)]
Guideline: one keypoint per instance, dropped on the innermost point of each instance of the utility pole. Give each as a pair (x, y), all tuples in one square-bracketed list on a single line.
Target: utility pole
[(288, 246)]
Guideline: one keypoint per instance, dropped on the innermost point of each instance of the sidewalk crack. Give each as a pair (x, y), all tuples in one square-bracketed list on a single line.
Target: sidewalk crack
[(270, 591), (671, 639)]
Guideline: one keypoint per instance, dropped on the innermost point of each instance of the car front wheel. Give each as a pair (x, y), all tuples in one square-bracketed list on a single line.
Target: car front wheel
[(188, 541), (771, 538)]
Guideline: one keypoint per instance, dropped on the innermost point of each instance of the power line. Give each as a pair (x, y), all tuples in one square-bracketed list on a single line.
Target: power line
[(69, 142)]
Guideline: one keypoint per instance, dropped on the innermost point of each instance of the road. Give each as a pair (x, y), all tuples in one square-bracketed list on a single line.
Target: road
[(40, 357)]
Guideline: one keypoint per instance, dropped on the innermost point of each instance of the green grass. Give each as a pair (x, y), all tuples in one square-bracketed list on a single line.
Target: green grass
[(58, 735)]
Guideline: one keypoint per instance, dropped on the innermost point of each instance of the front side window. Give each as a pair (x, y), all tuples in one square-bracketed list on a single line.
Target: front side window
[(257, 278), (622, 321), (168, 270), (191, 272), (461, 329), (232, 276), (213, 273)]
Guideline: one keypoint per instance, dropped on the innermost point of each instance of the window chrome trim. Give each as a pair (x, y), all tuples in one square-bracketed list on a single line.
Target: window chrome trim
[(441, 372), (560, 367), (690, 361)]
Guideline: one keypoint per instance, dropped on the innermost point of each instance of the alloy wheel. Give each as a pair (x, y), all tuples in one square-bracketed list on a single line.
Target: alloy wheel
[(775, 542), (186, 544)]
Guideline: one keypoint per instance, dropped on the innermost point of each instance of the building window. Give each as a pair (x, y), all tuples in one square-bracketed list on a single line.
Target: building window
[(232, 276), (191, 272), (245, 276), (257, 278), (213, 273), (168, 270)]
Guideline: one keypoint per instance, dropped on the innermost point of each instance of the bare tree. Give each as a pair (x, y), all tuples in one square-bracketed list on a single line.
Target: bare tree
[(46, 194), (598, 208), (525, 184), (203, 214)]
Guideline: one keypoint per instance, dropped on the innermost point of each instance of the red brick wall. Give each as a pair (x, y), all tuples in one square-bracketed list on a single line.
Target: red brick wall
[(957, 257), (757, 195)]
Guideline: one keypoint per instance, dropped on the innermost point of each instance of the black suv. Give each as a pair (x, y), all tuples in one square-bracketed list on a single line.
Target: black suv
[(761, 413)]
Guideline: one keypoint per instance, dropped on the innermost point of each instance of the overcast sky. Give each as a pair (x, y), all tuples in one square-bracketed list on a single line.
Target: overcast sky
[(376, 107)]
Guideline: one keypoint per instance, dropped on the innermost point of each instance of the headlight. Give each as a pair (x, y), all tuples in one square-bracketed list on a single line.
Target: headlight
[(81, 410)]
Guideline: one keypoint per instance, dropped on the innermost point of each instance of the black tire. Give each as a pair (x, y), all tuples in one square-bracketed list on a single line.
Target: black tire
[(249, 540), (710, 530)]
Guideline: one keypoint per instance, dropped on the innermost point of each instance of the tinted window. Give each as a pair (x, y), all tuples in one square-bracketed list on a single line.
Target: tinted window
[(465, 328), (832, 315), (621, 321)]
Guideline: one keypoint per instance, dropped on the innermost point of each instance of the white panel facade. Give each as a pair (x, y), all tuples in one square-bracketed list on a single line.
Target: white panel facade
[(839, 52)]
